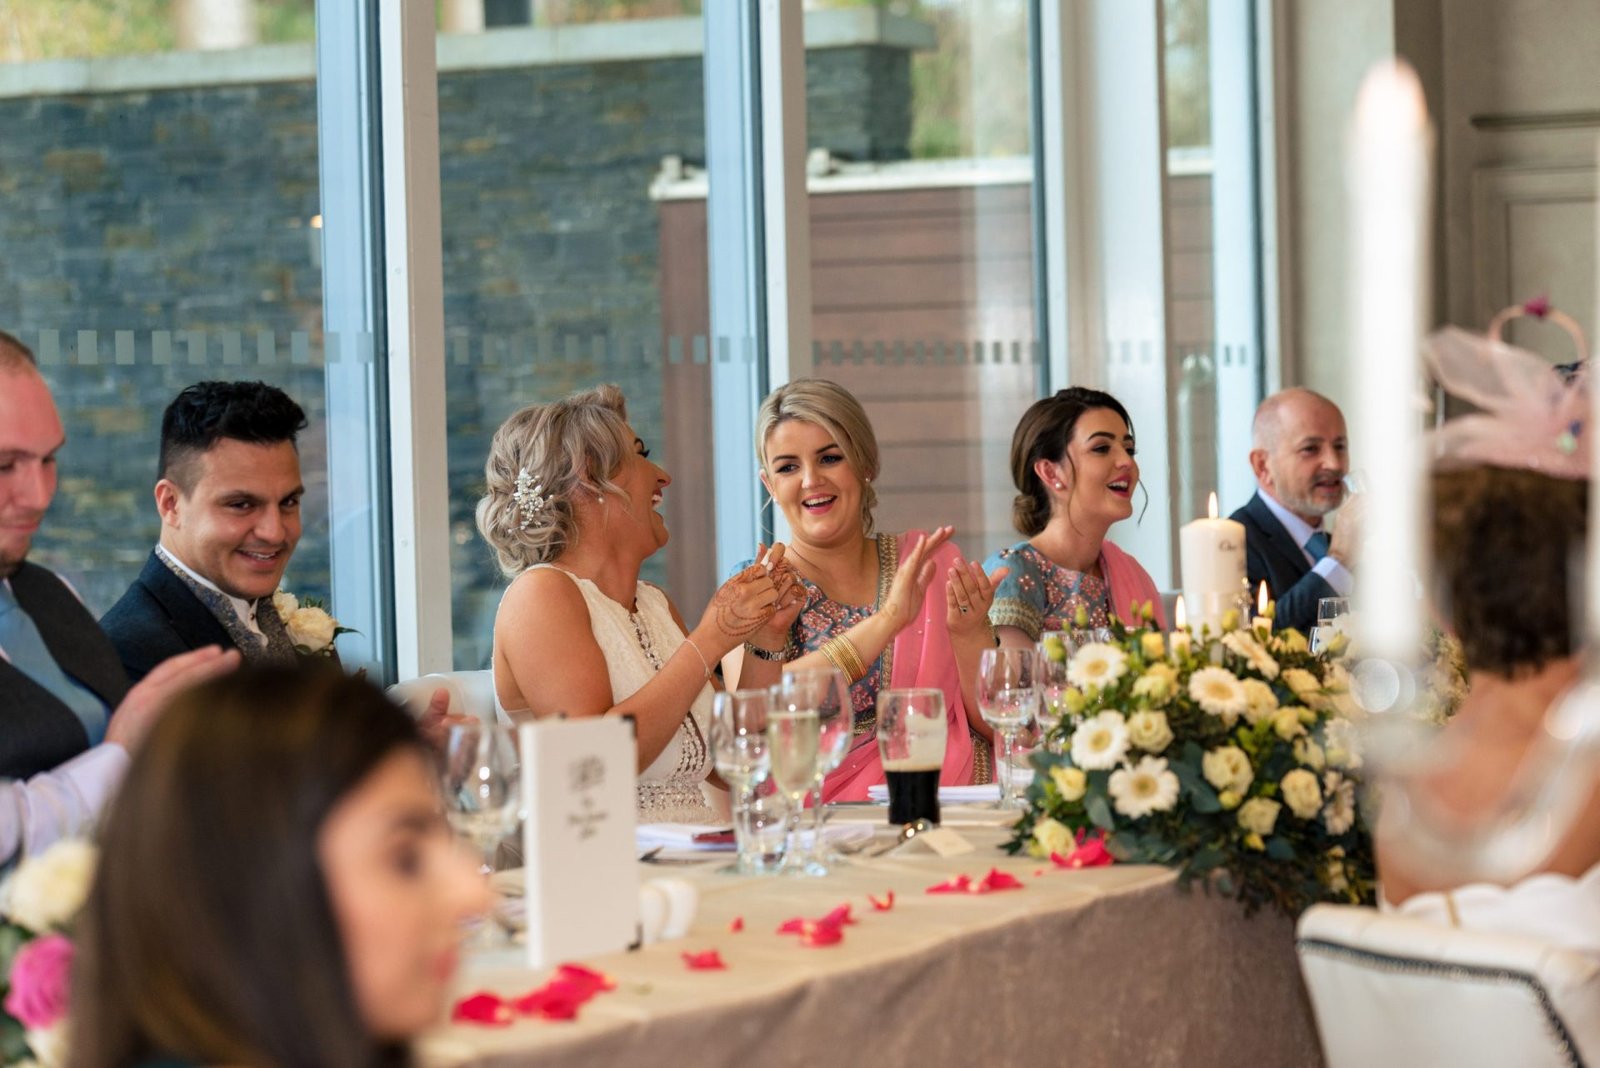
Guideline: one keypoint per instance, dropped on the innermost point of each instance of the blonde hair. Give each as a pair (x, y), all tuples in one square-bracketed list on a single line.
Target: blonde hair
[(836, 410), (570, 446)]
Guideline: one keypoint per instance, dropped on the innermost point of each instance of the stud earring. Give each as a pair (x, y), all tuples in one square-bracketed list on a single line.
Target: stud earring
[(1056, 484), (600, 498)]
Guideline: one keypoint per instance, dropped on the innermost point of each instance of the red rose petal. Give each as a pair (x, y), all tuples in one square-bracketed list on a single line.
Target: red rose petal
[(556, 1000), (581, 976), (489, 1010), (1092, 854), (737, 925), (794, 926), (882, 906), (961, 884), (822, 934), (839, 917), (997, 880), (709, 961)]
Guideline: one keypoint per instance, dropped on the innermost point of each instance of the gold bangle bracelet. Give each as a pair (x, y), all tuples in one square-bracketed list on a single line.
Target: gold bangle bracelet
[(843, 654)]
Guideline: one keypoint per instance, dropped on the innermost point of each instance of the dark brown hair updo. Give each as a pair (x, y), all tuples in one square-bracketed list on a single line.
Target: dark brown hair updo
[(1505, 546), (1042, 434)]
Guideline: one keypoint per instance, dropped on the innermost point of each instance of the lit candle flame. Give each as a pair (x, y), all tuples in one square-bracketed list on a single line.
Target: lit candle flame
[(1180, 615), (1261, 599), (1211, 508)]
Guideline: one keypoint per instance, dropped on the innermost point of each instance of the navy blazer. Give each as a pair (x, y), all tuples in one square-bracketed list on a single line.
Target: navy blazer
[(1271, 556), (160, 617)]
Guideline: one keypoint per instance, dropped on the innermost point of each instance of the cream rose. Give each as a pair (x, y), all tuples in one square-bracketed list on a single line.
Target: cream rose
[(1071, 782), (1053, 836), (1152, 645), (47, 891), (1301, 793), (1227, 768), (1301, 682), (1149, 731), (1259, 815), (1286, 723), (312, 629), (1290, 640), (1261, 701), (285, 604), (1309, 753)]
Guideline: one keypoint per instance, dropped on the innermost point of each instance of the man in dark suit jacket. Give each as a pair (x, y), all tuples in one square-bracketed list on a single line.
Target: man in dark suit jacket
[(62, 748), (229, 500), (1299, 455)]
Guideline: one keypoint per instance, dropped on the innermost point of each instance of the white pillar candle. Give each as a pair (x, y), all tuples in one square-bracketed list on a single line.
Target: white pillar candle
[(1211, 559), (1388, 179)]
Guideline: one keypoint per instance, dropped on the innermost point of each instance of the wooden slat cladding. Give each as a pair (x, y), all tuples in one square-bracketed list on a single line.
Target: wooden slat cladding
[(923, 308)]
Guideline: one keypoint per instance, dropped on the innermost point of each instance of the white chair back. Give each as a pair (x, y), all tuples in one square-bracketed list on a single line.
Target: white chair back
[(471, 693), (1391, 990)]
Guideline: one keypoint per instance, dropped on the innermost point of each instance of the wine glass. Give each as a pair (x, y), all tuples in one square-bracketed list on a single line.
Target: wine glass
[(482, 785), (1056, 648), (826, 691), (739, 751), (1333, 619), (793, 742), (1008, 698)]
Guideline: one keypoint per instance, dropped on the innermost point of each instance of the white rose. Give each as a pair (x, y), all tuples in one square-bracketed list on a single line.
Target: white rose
[(286, 605), (1286, 722), (1053, 836), (1149, 731), (49, 1045), (47, 890), (1259, 815), (311, 629), (1228, 768), (1309, 753), (1072, 782), (1262, 701), (1301, 682), (1152, 645), (1301, 793)]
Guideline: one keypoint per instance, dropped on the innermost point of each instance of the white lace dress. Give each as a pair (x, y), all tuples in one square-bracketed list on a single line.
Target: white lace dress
[(636, 645)]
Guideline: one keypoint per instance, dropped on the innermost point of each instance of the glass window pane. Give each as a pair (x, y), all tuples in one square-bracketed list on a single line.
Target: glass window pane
[(161, 228)]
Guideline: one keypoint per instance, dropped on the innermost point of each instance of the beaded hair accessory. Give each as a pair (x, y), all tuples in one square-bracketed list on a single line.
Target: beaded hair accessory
[(528, 498), (1534, 415)]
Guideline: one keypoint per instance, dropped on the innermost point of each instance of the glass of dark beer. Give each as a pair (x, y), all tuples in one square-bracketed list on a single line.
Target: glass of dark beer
[(911, 738)]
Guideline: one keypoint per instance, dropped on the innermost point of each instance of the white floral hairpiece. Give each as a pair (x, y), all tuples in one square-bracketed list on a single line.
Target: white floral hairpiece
[(528, 497)]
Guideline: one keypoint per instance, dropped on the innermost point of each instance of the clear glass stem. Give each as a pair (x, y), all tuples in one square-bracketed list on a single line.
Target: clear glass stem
[(1008, 753), (793, 856), (817, 850)]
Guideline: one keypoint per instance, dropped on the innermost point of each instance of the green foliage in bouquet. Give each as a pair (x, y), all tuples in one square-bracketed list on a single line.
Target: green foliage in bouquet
[(1232, 759)]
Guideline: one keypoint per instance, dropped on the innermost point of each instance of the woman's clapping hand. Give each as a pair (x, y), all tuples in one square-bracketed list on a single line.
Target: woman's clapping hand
[(911, 579), (748, 601), (968, 594)]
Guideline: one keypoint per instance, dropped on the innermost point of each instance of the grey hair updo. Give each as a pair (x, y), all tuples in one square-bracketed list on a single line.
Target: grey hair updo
[(568, 447)]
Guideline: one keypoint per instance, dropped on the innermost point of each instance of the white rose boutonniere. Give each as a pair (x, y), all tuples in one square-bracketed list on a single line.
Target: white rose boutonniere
[(310, 626)]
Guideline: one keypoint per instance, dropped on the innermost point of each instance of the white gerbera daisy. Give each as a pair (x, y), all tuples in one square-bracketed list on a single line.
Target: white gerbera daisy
[(1339, 813), (1101, 742), (1244, 645), (1144, 788), (1218, 691), (1095, 665)]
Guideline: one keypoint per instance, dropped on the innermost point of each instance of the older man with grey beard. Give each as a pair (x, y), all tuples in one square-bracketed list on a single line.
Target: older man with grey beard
[(1299, 453), (67, 716)]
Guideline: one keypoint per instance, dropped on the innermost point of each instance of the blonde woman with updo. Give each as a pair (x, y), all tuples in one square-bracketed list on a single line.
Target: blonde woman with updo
[(888, 610), (571, 512)]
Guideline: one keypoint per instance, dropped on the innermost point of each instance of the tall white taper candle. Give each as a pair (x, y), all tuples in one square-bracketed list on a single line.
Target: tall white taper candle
[(1388, 178)]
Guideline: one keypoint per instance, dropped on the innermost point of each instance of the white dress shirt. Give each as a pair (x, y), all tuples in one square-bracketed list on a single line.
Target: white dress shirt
[(1332, 571)]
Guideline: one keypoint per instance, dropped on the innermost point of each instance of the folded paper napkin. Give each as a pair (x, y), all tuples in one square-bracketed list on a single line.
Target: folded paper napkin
[(712, 838)]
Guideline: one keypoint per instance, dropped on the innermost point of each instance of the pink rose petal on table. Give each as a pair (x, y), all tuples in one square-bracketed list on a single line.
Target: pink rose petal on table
[(708, 961), (794, 926), (489, 1010), (961, 884), (882, 906), (997, 880), (556, 1000)]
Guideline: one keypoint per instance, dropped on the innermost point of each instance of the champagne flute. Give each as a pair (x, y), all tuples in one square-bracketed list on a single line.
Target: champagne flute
[(793, 742), (482, 785), (1056, 648), (1008, 698), (826, 691)]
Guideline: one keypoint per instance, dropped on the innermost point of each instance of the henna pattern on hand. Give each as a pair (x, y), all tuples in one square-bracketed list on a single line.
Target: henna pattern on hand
[(730, 620)]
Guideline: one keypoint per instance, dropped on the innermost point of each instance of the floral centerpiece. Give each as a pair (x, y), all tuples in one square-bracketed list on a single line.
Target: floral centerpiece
[(1229, 756), (39, 904)]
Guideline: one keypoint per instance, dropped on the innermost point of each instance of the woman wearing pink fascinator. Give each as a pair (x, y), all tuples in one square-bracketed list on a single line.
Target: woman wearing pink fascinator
[(1510, 521)]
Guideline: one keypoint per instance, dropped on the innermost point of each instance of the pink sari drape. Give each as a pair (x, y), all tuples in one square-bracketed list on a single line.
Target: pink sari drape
[(1129, 583), (922, 657)]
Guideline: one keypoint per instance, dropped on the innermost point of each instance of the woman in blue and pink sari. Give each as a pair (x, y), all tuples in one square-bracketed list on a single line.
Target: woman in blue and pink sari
[(889, 610), (1072, 458)]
